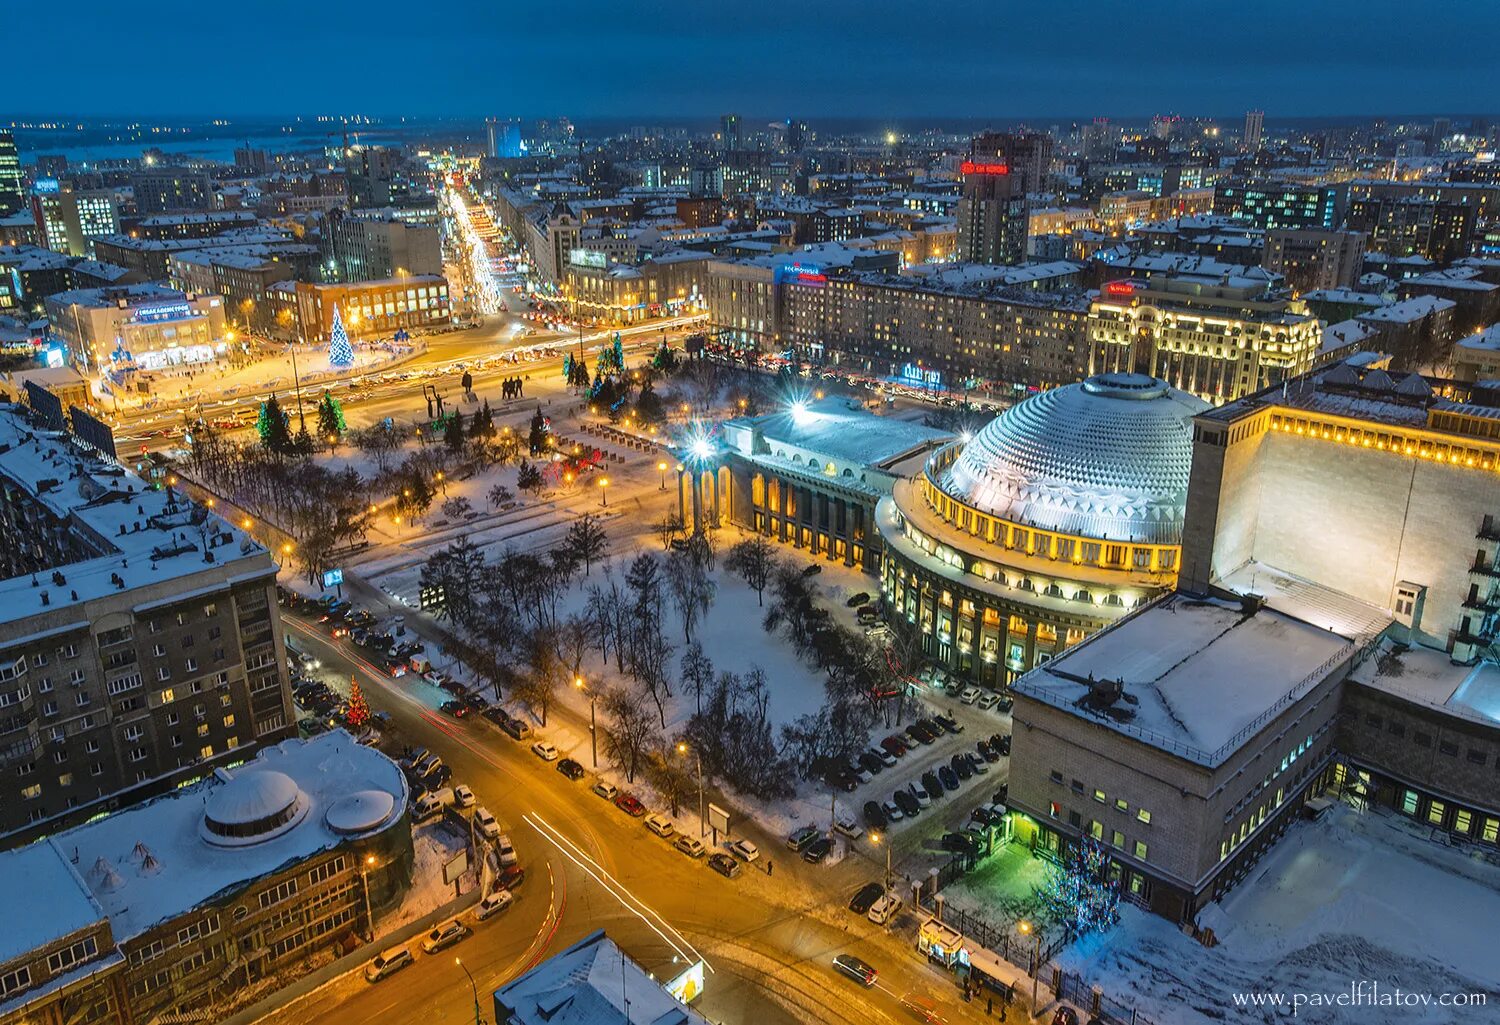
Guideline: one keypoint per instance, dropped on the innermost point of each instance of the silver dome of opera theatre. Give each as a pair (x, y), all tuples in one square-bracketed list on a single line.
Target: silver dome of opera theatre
[(1053, 521)]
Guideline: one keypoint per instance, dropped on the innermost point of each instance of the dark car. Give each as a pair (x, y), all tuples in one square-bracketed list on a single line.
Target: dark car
[(960, 764), (511, 876), (723, 864), (455, 688), (871, 764), (1005, 704), (987, 752), (476, 702), (1005, 747), (1065, 1016), (874, 815), (800, 839), (812, 570), (919, 733), (896, 745), (457, 709), (865, 896), (845, 781), (571, 769), (815, 852), (959, 843), (931, 784), (948, 723), (858, 599), (907, 803), (948, 776), (859, 971), (1003, 794), (496, 715)]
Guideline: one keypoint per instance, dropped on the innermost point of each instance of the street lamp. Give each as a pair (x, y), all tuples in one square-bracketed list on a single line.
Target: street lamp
[(593, 720), (877, 839), (442, 481), (604, 491), (364, 877), (682, 749), (1027, 929), (472, 988), (662, 466)]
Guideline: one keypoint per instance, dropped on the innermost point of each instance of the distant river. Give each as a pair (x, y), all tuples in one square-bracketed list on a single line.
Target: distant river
[(93, 145)]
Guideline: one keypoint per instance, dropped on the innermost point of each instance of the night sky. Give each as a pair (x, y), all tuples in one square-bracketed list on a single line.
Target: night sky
[(816, 58)]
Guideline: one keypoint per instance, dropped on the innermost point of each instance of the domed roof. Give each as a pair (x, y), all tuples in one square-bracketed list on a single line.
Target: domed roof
[(359, 812), (255, 805), (1107, 458)]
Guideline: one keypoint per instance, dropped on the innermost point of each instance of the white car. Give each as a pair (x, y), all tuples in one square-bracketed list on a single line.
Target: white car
[(743, 849), (485, 823), (886, 758), (659, 824), (444, 936), (493, 905), (388, 962), (892, 811), (923, 798), (689, 845), (987, 701), (884, 909), (545, 751), (463, 797), (606, 790), (505, 850), (853, 830), (969, 695)]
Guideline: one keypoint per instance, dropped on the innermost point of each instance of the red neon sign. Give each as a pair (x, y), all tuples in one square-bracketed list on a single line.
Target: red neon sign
[(1119, 288), (970, 167)]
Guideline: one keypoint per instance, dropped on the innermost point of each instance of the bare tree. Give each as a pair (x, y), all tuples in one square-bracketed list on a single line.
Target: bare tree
[(696, 672), (457, 507), (753, 560), (630, 730), (587, 540), (670, 526), (669, 775), (500, 495), (692, 590)]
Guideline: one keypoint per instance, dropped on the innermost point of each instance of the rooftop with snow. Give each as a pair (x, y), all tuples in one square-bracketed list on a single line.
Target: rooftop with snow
[(140, 536), (155, 861), (834, 428), (1431, 678), (1199, 675)]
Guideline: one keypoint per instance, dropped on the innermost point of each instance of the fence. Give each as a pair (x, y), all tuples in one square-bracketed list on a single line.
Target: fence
[(1006, 941)]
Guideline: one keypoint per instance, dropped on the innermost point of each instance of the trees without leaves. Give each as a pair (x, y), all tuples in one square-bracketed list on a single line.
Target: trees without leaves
[(587, 540), (692, 590), (630, 729), (753, 560)]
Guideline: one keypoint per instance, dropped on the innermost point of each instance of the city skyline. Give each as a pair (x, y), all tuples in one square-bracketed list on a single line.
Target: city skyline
[(892, 61)]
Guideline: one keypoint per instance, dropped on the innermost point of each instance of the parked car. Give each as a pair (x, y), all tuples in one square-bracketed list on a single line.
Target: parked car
[(545, 751), (865, 897), (505, 850), (893, 811), (884, 909), (977, 763), (387, 963), (689, 845), (958, 843), (606, 790), (895, 745), (815, 852), (875, 815), (987, 701), (476, 702), (457, 709), (969, 695), (743, 849), (812, 571), (724, 865), (932, 784), (518, 729), (463, 797), (857, 599), (799, 840), (948, 777), (886, 758), (485, 823), (858, 970), (630, 805), (850, 828), (871, 763), (987, 752), (444, 936), (496, 715), (919, 792), (571, 769), (659, 824), (493, 904), (948, 723), (960, 765)]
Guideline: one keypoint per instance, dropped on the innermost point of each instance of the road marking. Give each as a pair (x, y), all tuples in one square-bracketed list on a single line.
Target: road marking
[(616, 889)]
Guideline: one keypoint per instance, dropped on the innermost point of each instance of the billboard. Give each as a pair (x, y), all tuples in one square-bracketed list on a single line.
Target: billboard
[(689, 985), (588, 258), (800, 274), (46, 405), (93, 432)]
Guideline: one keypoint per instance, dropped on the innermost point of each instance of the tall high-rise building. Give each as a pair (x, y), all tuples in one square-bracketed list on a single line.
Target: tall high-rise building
[(1255, 122), (250, 160), (796, 135), (12, 197), (993, 216), (729, 133), (1027, 154), (66, 221), (166, 189), (1442, 127), (490, 124), (1098, 139), (370, 174)]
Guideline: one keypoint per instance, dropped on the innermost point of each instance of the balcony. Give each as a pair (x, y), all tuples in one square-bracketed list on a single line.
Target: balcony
[(1489, 530), (1485, 568)]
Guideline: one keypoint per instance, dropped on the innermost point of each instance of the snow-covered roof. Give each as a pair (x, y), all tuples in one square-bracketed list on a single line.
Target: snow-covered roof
[(44, 898), (143, 536), (1200, 676), (1429, 677), (835, 430), (149, 863), (1105, 458), (592, 983)]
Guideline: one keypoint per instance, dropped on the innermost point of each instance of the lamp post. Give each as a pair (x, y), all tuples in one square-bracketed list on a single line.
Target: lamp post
[(1027, 929), (593, 721), (364, 877), (876, 838), (682, 749), (662, 466), (472, 988), (604, 491), (297, 387)]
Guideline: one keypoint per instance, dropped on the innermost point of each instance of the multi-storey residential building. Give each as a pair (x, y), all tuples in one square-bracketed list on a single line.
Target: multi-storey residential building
[(140, 645), (68, 221), (184, 907), (370, 174), (1218, 338), (1255, 122), (1417, 332), (1314, 258), (1440, 230), (1281, 204), (373, 310), (993, 215), (621, 293), (162, 190), (199, 225), (381, 245)]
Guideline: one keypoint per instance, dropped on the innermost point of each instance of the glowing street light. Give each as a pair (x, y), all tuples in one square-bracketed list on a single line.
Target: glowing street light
[(604, 491), (662, 466), (593, 721)]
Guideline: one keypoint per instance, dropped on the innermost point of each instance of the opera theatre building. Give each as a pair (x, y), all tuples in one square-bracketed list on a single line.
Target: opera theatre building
[(1051, 523)]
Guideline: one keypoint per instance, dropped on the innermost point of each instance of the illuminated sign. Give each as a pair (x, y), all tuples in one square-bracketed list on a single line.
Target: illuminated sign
[(800, 274), (163, 311), (1119, 288), (972, 167), (687, 986), (588, 258), (333, 577), (46, 186), (912, 373)]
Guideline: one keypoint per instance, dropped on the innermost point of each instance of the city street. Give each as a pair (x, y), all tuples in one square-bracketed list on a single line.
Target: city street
[(768, 939)]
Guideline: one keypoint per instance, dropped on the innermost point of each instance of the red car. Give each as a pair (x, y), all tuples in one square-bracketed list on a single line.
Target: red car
[(457, 709), (630, 805), (895, 745)]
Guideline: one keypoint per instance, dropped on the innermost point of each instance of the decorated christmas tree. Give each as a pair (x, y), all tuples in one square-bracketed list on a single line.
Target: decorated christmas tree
[(272, 426), (340, 352), (331, 423), (1079, 893), (359, 710)]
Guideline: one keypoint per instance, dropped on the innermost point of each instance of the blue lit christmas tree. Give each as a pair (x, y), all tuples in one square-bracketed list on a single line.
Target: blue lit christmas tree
[(1080, 893), (340, 352)]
